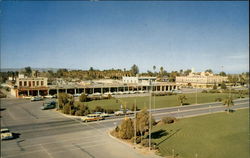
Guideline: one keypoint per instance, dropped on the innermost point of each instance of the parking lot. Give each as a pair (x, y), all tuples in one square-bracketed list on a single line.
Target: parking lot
[(50, 134)]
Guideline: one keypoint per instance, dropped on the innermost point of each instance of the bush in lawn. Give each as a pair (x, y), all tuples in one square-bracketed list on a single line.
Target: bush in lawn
[(83, 98), (98, 109), (214, 91), (204, 91), (168, 120), (223, 86), (126, 130), (144, 142), (136, 139), (109, 111), (218, 99), (66, 109)]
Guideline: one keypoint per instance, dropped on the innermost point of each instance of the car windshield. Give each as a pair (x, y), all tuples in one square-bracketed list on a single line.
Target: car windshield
[(5, 131)]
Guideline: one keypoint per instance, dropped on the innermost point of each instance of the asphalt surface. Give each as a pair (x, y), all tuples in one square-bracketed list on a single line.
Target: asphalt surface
[(50, 134)]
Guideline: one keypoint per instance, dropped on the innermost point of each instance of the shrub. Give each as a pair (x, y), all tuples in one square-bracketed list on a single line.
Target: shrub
[(126, 130), (218, 99), (66, 109), (98, 109), (214, 91), (168, 120), (144, 142), (109, 111), (83, 98), (204, 91), (136, 139)]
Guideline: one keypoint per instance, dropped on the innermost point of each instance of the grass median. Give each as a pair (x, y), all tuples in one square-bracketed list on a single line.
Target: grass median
[(160, 101), (218, 135)]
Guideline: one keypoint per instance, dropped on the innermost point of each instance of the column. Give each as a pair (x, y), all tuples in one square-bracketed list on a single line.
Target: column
[(48, 92), (66, 90), (28, 92), (109, 89), (75, 90), (101, 90), (93, 90), (38, 92)]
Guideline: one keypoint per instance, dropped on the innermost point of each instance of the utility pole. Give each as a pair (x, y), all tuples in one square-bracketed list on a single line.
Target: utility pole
[(150, 109), (196, 90), (135, 124)]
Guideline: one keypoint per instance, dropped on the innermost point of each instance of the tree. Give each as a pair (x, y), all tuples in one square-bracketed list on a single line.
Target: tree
[(228, 102), (215, 86), (28, 71), (134, 69), (182, 99), (222, 73), (223, 85), (154, 67), (142, 122), (83, 98), (209, 70), (126, 130), (161, 70), (187, 72), (99, 109)]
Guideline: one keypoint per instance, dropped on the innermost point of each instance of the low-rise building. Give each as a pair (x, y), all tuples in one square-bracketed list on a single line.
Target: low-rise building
[(202, 80), (139, 80)]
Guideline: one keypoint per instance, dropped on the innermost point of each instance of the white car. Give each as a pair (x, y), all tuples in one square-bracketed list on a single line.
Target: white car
[(48, 96), (120, 112), (77, 95), (37, 98), (6, 134)]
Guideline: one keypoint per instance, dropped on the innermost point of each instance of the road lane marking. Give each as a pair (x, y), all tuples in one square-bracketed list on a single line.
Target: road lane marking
[(59, 151), (54, 142)]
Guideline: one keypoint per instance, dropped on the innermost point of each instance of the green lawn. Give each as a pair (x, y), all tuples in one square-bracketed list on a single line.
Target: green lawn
[(218, 135), (160, 101)]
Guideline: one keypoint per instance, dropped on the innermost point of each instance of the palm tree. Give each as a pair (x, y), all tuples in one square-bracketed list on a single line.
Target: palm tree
[(228, 102), (182, 99), (154, 67)]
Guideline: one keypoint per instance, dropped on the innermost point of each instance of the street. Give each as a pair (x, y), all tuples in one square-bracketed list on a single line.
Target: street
[(50, 134)]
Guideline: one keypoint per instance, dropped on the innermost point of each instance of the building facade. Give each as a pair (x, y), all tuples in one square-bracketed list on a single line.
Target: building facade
[(202, 80)]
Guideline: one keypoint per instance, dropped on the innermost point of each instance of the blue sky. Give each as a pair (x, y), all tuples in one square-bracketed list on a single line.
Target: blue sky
[(175, 35)]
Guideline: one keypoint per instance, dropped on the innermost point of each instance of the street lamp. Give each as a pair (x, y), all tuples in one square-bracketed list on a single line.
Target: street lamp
[(196, 90), (150, 105)]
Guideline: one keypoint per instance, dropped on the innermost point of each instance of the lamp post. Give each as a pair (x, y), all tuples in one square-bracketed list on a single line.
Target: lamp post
[(196, 90), (150, 105), (135, 124)]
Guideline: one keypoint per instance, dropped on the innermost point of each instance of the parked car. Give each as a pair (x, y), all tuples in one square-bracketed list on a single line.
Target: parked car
[(104, 115), (177, 91), (48, 96), (77, 95), (49, 105), (91, 117), (37, 98), (118, 113), (6, 134)]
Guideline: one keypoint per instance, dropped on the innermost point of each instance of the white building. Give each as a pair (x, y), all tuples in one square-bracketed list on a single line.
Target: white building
[(203, 80), (139, 80)]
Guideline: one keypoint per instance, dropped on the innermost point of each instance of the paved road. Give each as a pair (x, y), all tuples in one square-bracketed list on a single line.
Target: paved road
[(50, 134)]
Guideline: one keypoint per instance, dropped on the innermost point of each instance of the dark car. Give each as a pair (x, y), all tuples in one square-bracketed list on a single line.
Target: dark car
[(49, 105)]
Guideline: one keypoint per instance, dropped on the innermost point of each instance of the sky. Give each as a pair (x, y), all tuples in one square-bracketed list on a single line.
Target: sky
[(104, 35)]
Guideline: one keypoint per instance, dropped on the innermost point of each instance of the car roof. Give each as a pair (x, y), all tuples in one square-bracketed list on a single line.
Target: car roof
[(4, 129)]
